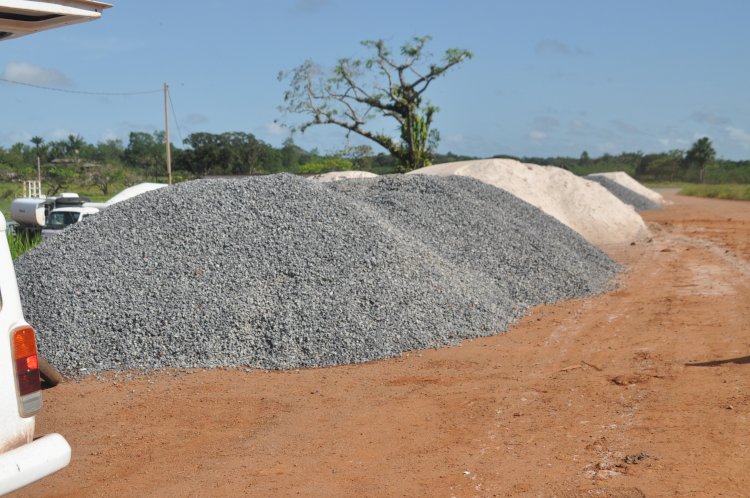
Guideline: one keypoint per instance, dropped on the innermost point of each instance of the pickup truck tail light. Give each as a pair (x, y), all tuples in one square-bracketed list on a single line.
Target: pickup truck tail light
[(26, 362)]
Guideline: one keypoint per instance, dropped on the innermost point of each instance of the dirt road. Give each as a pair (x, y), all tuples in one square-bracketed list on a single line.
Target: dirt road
[(644, 391)]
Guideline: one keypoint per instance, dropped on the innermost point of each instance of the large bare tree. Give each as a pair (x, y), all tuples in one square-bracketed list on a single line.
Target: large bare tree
[(356, 91)]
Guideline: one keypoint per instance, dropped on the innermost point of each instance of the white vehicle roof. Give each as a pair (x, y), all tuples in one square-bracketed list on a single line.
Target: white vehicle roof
[(77, 209), (23, 17)]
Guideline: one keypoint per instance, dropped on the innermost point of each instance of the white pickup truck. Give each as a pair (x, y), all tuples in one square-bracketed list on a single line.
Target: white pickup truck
[(49, 216), (23, 459)]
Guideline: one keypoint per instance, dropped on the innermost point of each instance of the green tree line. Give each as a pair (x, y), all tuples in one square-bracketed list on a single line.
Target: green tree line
[(74, 161), (695, 165)]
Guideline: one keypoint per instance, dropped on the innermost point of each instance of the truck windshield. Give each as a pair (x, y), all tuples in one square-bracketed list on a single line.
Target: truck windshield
[(59, 220)]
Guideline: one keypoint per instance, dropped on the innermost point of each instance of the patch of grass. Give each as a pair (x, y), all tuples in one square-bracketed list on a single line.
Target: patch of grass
[(19, 244), (383, 170), (666, 184), (724, 191)]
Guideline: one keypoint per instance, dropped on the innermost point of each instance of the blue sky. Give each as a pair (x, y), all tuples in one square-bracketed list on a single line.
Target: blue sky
[(547, 78)]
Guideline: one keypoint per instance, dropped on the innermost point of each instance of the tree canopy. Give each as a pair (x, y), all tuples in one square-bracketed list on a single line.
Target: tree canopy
[(113, 163), (356, 91), (700, 154)]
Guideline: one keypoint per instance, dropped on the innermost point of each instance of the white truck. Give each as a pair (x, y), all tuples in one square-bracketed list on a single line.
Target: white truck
[(24, 458), (49, 216)]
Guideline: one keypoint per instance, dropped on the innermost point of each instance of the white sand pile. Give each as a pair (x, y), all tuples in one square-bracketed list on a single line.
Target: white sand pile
[(585, 206), (629, 182), (342, 175)]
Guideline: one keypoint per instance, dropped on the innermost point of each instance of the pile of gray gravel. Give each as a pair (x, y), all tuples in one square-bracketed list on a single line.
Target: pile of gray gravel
[(626, 195), (282, 272)]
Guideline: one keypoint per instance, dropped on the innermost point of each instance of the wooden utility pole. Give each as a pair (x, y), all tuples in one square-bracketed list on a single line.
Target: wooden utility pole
[(166, 126)]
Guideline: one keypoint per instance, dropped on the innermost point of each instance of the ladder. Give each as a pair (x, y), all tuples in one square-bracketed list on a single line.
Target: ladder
[(32, 188)]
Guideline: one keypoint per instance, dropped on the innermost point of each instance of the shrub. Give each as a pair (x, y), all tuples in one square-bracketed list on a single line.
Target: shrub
[(19, 243), (325, 165)]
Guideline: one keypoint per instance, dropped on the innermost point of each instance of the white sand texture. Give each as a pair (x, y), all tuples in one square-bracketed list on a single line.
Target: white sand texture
[(342, 175), (628, 181), (583, 205)]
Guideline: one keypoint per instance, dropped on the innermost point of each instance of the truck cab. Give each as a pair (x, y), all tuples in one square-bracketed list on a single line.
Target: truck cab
[(61, 218), (23, 459)]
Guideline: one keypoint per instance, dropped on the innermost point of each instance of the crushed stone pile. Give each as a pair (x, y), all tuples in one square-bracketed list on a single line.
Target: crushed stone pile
[(585, 206), (629, 197), (343, 175), (282, 272), (468, 224), (631, 183)]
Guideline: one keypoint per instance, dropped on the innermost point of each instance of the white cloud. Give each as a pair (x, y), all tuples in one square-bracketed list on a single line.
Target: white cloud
[(674, 143), (698, 135), (275, 129), (455, 139), (24, 72), (607, 147), (15, 136), (537, 135), (132, 126), (709, 118), (60, 134), (546, 123), (740, 136), (579, 124), (109, 134), (626, 128)]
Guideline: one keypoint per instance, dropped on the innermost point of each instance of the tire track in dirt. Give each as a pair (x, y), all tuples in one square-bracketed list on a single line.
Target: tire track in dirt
[(639, 392)]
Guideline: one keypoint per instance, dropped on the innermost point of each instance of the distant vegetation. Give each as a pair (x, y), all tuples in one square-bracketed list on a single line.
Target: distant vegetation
[(672, 166), (735, 192), (100, 170), (106, 167)]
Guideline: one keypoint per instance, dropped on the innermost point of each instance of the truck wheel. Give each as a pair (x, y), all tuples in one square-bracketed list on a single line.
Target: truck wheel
[(49, 374)]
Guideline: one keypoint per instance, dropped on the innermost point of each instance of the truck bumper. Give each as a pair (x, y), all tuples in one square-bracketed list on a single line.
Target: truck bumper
[(31, 462)]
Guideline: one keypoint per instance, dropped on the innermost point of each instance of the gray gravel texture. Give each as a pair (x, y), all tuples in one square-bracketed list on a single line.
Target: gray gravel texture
[(639, 202), (282, 272)]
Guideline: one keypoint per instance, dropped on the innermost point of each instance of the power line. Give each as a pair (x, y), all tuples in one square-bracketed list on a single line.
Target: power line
[(81, 92), (174, 114)]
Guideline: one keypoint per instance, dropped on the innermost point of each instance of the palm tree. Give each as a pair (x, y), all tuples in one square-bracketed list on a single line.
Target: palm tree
[(701, 153), (37, 141), (74, 143)]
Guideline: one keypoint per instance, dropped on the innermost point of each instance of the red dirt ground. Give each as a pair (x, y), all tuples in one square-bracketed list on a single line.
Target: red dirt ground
[(644, 391)]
